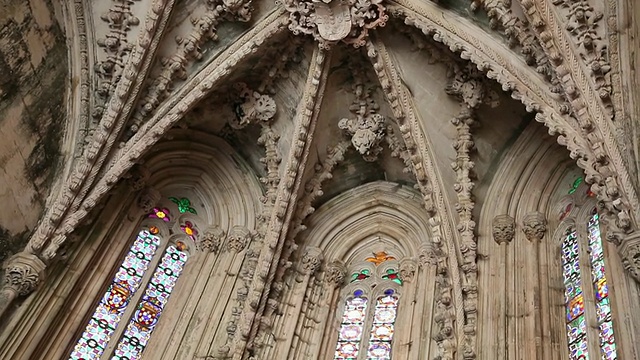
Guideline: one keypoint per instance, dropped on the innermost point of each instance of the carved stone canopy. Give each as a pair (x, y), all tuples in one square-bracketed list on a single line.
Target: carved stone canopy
[(331, 21)]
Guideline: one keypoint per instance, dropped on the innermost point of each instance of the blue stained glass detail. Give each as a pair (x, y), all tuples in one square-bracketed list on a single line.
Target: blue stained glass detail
[(107, 315)]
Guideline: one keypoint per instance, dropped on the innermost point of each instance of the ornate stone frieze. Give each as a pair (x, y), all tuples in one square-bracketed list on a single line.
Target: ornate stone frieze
[(116, 45), (174, 67), (331, 21), (22, 273), (504, 228), (588, 31), (367, 128), (534, 225), (251, 107), (211, 239)]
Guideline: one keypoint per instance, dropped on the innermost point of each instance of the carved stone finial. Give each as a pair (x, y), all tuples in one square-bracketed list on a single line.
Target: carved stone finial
[(22, 273), (251, 106), (148, 198), (238, 239), (630, 253), (534, 225), (331, 21), (504, 228), (211, 239), (335, 273), (311, 260)]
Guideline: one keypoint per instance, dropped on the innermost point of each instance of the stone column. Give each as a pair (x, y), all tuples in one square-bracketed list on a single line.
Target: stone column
[(534, 226), (22, 276)]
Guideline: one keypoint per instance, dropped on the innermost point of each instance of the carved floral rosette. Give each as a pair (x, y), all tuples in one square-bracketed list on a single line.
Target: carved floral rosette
[(331, 21)]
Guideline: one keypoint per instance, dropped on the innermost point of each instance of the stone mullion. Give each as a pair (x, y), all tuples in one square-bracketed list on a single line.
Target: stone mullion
[(284, 207), (428, 182), (591, 114)]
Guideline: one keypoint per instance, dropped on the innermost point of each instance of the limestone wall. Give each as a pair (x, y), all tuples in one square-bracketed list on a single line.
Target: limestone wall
[(33, 64)]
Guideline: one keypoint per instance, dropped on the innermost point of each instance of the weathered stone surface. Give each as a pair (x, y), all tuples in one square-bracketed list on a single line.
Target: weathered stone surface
[(33, 64)]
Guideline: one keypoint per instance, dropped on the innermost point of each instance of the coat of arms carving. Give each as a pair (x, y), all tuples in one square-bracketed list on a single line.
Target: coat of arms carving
[(331, 21)]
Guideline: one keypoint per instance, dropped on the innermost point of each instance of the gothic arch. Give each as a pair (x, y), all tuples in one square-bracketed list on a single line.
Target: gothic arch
[(521, 284), (225, 195), (341, 234)]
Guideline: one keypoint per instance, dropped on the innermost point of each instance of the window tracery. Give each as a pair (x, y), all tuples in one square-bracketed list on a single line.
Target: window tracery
[(574, 276), (371, 303), (122, 323)]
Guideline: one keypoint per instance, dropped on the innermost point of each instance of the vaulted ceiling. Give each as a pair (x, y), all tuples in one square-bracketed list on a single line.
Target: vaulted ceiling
[(396, 90)]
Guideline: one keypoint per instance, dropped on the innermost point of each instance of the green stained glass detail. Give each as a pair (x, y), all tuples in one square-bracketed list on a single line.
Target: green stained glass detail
[(575, 185), (363, 274), (184, 205), (393, 276)]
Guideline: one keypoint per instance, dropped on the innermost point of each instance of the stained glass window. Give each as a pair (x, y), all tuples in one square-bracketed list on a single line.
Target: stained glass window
[(384, 318), (148, 311), (107, 315), (378, 317), (603, 308), (351, 327), (574, 298)]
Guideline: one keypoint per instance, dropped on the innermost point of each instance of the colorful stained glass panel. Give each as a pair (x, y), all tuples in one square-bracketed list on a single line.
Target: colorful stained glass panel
[(603, 307), (353, 316), (148, 311), (382, 327), (107, 315)]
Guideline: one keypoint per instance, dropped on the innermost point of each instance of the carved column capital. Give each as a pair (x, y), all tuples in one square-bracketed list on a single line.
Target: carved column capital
[(148, 198), (138, 177), (408, 268), (335, 273), (238, 239), (211, 239), (630, 253), (311, 260), (534, 225), (504, 227), (23, 273), (427, 254)]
